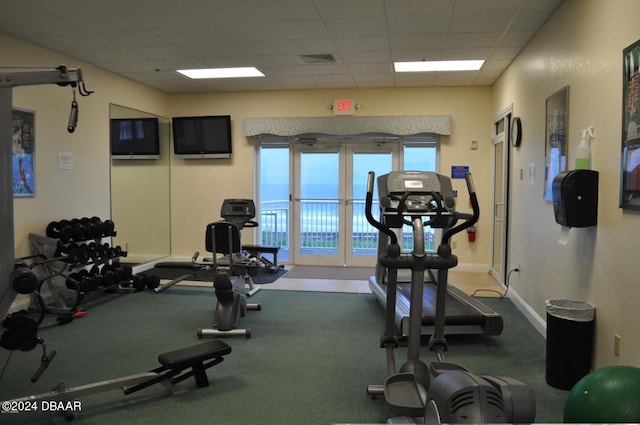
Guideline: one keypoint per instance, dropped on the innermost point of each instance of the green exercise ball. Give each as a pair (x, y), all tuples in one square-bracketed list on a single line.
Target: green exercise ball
[(610, 394)]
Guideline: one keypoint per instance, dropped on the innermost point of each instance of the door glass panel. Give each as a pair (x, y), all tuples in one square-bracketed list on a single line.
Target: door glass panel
[(364, 237), (274, 199), (419, 158), (319, 202), (498, 207)]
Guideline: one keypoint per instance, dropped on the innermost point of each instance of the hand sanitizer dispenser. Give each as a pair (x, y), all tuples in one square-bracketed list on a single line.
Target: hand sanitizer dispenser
[(575, 198), (583, 151)]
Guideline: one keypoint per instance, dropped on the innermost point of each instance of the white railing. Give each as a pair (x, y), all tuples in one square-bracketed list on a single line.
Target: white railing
[(319, 227)]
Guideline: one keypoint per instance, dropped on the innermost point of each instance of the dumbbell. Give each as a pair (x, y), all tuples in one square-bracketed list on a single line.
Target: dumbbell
[(23, 280), (79, 230), (79, 253), (122, 274), (60, 230), (109, 228), (90, 230), (141, 281), (108, 276)]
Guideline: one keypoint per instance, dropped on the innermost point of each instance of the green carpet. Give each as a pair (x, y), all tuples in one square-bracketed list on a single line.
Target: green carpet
[(309, 360)]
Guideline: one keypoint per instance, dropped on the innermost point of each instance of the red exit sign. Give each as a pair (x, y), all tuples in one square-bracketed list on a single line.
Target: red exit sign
[(344, 107)]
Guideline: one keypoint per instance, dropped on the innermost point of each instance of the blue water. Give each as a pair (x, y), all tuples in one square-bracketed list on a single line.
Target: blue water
[(280, 192)]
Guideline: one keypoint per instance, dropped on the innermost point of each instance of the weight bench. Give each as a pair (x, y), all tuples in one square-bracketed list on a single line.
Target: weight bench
[(257, 251), (176, 366)]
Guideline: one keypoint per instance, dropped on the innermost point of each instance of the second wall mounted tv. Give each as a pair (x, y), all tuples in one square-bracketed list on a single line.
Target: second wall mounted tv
[(134, 138), (202, 137)]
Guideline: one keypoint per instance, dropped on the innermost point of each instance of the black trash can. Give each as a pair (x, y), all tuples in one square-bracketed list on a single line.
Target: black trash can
[(570, 326)]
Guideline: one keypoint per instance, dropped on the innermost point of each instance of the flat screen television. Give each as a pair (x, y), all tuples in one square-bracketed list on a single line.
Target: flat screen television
[(202, 137), (134, 138)]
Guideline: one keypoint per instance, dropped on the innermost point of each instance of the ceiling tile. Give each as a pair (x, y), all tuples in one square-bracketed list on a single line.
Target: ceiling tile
[(330, 9), (146, 40)]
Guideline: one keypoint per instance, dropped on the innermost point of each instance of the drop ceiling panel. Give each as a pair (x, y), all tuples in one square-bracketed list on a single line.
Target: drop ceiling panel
[(146, 40)]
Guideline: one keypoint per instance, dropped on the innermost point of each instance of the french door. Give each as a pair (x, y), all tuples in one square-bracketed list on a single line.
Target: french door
[(330, 178)]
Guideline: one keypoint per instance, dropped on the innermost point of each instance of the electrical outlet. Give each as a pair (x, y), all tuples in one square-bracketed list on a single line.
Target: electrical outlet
[(617, 340)]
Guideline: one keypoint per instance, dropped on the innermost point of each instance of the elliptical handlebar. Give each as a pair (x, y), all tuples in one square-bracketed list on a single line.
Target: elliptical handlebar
[(368, 205), (469, 220)]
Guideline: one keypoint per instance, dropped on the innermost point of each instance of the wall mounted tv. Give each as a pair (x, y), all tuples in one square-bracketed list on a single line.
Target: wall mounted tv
[(202, 137), (134, 138)]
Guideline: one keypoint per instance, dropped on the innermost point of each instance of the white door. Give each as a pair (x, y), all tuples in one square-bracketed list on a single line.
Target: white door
[(329, 225), (500, 192)]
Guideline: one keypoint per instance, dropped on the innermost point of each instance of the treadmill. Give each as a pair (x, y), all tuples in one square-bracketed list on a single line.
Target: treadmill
[(464, 314)]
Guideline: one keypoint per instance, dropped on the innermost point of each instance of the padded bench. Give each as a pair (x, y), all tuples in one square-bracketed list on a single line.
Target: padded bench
[(197, 358)]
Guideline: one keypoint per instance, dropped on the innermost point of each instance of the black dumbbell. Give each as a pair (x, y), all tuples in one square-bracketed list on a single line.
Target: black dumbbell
[(60, 230), (23, 280), (142, 281), (99, 226), (109, 228), (90, 229), (139, 282), (108, 276), (79, 230), (153, 281)]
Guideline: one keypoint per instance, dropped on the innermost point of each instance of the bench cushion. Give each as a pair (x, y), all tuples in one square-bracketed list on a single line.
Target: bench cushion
[(190, 356)]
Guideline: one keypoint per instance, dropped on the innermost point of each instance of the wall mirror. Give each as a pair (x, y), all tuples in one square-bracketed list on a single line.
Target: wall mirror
[(140, 196)]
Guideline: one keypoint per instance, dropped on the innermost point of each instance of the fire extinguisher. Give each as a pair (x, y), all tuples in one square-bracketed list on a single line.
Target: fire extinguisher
[(471, 233)]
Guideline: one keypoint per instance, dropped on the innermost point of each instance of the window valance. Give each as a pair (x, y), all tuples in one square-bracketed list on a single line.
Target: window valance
[(404, 125)]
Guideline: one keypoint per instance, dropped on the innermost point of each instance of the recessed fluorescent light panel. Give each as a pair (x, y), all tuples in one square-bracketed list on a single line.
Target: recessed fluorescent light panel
[(242, 72), (432, 66)]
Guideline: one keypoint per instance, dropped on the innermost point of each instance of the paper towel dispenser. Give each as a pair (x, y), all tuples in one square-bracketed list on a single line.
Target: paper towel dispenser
[(575, 198)]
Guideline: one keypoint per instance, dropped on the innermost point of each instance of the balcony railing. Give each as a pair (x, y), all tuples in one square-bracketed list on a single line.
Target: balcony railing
[(319, 227)]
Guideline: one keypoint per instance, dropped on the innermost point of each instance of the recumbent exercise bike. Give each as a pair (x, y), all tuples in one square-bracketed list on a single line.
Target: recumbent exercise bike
[(235, 268), (440, 392)]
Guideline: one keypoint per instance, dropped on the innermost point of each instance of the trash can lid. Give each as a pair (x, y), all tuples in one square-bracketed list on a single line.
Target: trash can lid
[(570, 309)]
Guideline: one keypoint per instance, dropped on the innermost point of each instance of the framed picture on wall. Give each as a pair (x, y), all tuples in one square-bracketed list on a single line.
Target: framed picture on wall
[(630, 161), (557, 129), (23, 156)]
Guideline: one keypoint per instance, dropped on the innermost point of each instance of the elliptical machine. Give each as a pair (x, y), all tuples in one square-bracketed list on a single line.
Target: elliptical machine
[(440, 392)]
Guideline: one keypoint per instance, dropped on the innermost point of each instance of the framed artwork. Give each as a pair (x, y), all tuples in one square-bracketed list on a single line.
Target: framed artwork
[(630, 161), (23, 156), (557, 128)]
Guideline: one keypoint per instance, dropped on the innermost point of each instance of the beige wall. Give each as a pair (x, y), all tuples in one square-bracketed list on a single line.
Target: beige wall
[(580, 47), (198, 187), (84, 190)]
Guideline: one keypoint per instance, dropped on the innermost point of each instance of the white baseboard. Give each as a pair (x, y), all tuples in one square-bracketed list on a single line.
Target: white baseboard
[(538, 322)]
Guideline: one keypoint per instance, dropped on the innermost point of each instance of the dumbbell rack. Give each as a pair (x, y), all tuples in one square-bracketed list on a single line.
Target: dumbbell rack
[(68, 280)]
